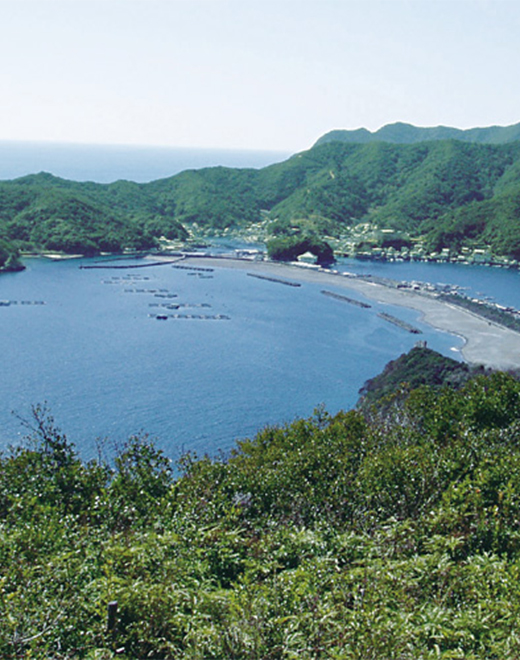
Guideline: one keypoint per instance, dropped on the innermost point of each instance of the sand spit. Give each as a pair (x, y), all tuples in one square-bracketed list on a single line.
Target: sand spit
[(486, 343)]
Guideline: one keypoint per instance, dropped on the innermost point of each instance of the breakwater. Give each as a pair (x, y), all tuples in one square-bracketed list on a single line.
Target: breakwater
[(278, 280), (351, 301), (126, 266), (399, 323), (198, 269)]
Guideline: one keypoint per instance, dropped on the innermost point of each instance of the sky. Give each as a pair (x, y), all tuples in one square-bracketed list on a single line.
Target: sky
[(252, 74)]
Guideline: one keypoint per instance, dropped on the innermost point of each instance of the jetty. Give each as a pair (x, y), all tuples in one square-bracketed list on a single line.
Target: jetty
[(351, 301), (274, 279), (400, 323), (198, 269), (125, 266)]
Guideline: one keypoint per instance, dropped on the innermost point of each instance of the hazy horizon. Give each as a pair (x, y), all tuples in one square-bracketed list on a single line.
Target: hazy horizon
[(269, 75), (105, 163)]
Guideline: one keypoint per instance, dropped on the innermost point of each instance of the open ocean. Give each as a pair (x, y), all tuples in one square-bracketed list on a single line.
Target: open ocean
[(108, 163)]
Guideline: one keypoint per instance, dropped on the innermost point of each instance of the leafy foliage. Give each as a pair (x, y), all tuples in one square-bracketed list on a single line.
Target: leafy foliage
[(9, 257), (390, 533), (46, 213), (420, 366)]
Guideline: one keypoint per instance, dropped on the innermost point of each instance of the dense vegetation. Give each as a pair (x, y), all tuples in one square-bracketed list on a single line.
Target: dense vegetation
[(44, 212), (449, 192), (289, 248), (9, 257), (388, 533), (420, 366)]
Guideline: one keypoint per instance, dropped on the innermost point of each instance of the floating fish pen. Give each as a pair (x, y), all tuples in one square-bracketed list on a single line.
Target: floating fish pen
[(400, 323), (351, 301), (8, 303), (194, 305), (161, 293), (198, 269), (198, 317), (274, 279)]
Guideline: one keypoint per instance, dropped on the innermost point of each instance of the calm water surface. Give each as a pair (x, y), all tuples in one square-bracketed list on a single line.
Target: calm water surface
[(107, 369)]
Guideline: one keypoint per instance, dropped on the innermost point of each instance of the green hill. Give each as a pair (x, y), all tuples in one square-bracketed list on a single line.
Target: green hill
[(449, 193), (48, 213), (420, 366)]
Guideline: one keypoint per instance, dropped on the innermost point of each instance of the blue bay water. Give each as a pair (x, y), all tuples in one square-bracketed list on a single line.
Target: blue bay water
[(107, 369)]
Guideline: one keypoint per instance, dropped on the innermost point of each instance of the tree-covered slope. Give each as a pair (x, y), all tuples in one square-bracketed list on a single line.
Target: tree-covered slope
[(44, 212), (387, 534), (433, 189), (448, 192), (420, 366)]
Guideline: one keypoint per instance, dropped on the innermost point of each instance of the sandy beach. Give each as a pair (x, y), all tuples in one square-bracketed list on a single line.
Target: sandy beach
[(486, 343)]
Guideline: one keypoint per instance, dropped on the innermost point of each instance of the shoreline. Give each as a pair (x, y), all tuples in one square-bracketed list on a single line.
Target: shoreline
[(485, 343)]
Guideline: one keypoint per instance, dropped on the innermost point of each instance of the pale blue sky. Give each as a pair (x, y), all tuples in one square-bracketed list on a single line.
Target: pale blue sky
[(252, 74)]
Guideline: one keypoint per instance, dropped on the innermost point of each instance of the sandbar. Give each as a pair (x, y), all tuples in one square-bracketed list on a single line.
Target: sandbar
[(485, 343)]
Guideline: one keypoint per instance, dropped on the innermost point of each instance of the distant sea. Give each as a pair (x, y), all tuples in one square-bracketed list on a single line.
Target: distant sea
[(108, 163)]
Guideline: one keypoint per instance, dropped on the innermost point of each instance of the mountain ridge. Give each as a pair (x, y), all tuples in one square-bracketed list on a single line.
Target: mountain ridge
[(448, 194), (404, 133)]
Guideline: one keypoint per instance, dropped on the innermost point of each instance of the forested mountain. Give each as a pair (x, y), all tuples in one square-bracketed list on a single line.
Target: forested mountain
[(388, 532), (448, 192), (401, 133)]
